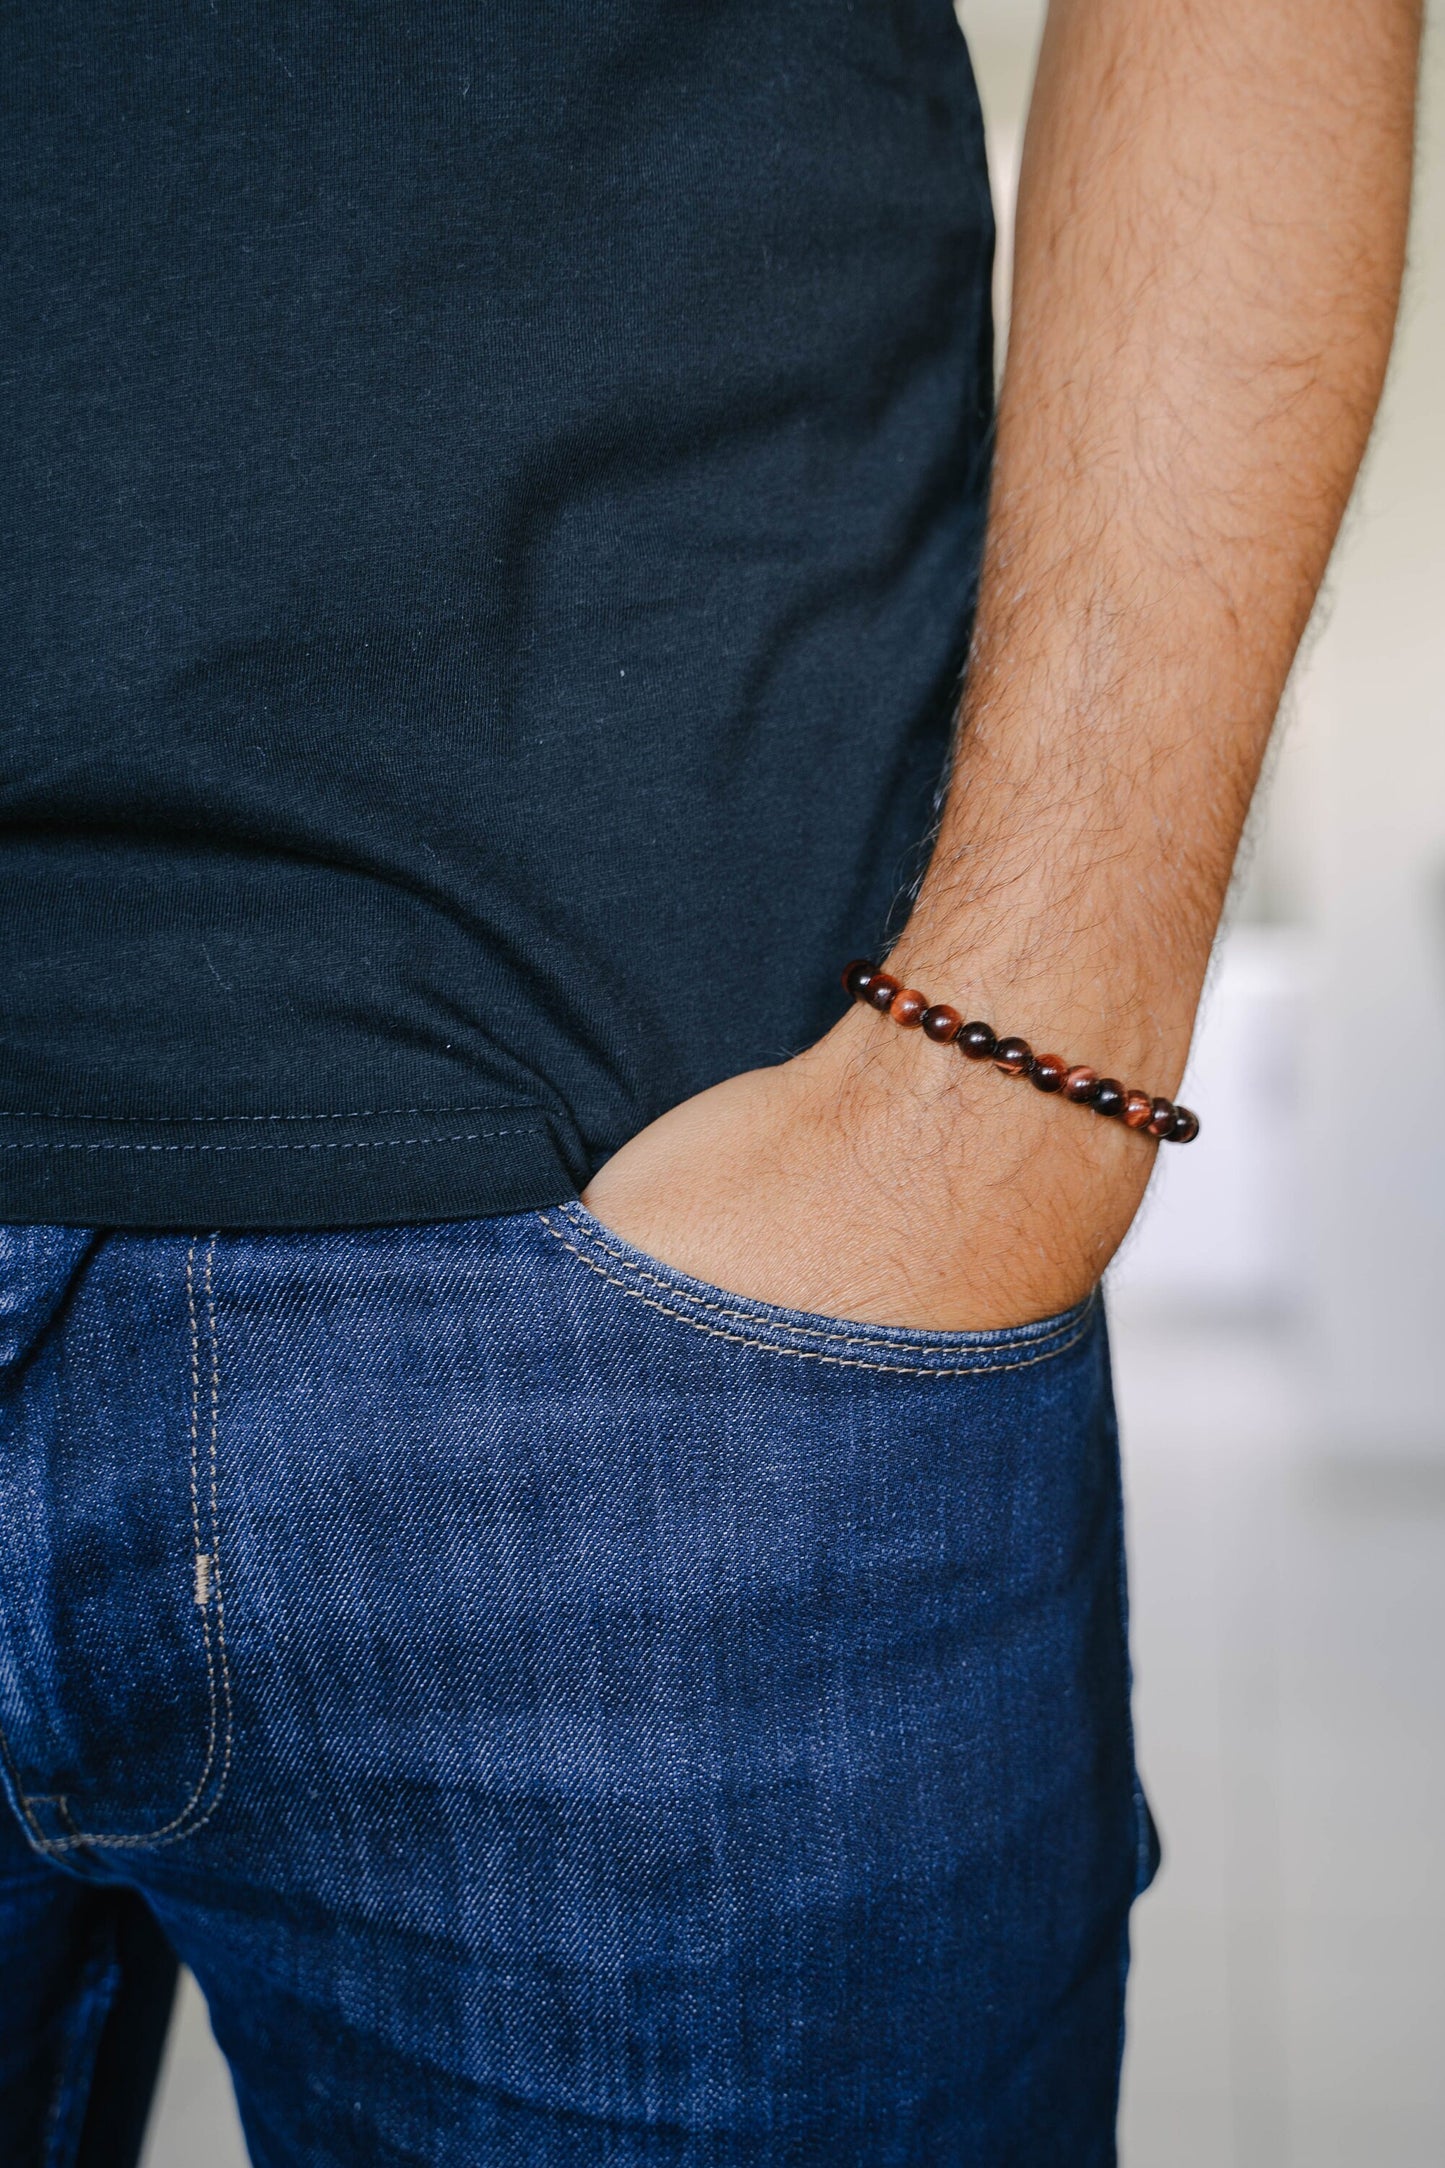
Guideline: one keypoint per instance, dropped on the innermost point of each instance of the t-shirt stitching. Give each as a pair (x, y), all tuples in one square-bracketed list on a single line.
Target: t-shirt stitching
[(359, 1114), (346, 1144)]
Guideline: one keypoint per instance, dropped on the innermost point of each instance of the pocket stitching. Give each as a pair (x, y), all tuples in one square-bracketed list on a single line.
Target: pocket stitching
[(816, 1355), (810, 1332), (182, 1824)]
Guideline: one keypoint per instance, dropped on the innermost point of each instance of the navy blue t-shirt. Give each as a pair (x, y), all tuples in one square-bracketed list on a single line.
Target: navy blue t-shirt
[(491, 510)]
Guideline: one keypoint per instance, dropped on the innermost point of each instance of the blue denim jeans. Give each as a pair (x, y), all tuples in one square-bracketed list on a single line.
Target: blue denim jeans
[(561, 1712)]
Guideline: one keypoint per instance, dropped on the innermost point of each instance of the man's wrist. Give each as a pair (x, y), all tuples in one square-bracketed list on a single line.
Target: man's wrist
[(1104, 1002)]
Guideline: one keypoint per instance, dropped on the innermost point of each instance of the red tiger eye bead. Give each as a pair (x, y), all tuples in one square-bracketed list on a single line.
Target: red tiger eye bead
[(1015, 1057), (1185, 1126), (1081, 1084), (977, 1041), (1048, 1072), (941, 1023), (1108, 1096), (856, 977), (907, 1008), (880, 990), (1161, 1120), (1138, 1109)]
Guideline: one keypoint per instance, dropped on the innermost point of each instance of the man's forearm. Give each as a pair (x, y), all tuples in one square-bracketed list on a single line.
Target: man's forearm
[(1210, 236)]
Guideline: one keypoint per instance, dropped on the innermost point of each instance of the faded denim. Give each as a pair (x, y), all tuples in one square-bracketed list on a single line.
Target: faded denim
[(561, 1712)]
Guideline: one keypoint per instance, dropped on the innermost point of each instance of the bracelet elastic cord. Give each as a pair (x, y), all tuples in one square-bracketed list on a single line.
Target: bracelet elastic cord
[(1147, 1112)]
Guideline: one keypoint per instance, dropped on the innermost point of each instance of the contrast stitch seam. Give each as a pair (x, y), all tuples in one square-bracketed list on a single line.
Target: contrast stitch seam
[(38, 1838), (812, 1332), (61, 1803), (217, 1577), (182, 1825), (136, 1121), (195, 1438), (346, 1144), (815, 1355)]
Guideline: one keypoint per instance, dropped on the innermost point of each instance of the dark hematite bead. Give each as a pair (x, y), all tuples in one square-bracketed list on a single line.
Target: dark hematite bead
[(1138, 1109), (1185, 1126), (907, 1008), (1081, 1085), (880, 990), (941, 1023), (977, 1041), (1161, 1121), (1014, 1056), (1048, 1072), (1108, 1096), (856, 977)]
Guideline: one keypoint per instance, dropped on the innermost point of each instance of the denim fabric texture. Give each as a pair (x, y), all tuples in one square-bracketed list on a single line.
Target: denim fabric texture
[(561, 1712)]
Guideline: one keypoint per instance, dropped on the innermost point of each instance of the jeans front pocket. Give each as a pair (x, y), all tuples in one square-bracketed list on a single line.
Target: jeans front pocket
[(886, 1642)]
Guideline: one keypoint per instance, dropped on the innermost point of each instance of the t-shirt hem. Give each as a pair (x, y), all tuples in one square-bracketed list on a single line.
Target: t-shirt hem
[(274, 1172)]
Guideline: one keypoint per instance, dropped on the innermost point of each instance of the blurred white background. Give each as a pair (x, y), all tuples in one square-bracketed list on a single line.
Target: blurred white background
[(1278, 1319)]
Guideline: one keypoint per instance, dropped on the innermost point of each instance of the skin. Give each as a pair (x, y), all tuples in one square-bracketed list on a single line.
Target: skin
[(1210, 240)]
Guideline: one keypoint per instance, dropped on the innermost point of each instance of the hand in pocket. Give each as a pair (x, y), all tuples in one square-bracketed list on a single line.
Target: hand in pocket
[(874, 1178)]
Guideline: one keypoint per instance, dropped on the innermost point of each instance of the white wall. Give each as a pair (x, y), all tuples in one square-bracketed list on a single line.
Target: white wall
[(1377, 892)]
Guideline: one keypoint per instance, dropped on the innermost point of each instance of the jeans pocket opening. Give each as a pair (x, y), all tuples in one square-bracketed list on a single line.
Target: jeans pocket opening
[(808, 1335)]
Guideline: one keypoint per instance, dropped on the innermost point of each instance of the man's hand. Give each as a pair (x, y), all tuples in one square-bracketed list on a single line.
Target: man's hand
[(1210, 236), (879, 1178)]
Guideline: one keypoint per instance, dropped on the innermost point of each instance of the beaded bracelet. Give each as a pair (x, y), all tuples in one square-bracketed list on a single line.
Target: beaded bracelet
[(1155, 1116)]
